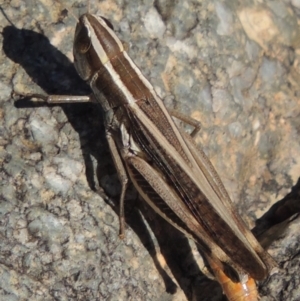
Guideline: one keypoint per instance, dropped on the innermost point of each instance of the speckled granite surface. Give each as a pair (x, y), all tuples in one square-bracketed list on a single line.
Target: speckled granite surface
[(233, 65)]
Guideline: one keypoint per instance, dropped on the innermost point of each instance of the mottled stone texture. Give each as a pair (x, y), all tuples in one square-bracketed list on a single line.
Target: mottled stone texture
[(233, 65)]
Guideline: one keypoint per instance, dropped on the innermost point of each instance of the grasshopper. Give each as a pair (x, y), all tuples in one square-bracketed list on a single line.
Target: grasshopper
[(170, 172)]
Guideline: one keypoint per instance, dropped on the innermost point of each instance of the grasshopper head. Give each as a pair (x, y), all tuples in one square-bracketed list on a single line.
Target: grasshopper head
[(95, 44)]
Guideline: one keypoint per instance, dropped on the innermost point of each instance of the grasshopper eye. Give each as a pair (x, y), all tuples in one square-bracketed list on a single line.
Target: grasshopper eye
[(82, 41), (107, 23)]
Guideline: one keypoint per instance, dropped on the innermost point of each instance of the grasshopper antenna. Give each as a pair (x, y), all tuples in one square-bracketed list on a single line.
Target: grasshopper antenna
[(73, 15), (88, 6)]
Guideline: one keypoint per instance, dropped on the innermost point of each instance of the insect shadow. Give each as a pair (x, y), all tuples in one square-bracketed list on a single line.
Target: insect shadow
[(276, 220), (55, 74)]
